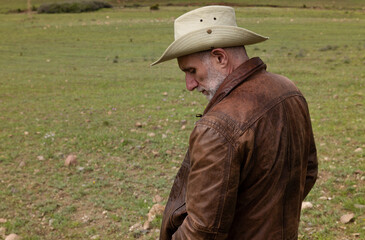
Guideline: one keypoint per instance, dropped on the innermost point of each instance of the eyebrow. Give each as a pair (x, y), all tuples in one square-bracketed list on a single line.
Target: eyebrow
[(187, 69)]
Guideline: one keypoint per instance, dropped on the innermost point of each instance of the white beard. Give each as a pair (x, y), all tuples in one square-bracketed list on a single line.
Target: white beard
[(214, 80)]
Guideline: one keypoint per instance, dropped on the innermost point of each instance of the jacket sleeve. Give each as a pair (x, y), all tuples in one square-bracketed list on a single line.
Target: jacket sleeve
[(312, 168), (212, 186)]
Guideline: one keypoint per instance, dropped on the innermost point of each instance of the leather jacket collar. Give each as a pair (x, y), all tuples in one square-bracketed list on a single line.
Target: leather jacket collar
[(237, 77)]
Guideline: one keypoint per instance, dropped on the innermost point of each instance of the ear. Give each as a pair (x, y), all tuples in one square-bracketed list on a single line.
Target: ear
[(220, 57)]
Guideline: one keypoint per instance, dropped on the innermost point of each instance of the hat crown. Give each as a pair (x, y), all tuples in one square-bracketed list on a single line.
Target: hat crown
[(204, 17)]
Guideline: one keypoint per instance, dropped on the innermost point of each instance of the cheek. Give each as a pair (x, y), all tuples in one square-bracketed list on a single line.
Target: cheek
[(201, 77)]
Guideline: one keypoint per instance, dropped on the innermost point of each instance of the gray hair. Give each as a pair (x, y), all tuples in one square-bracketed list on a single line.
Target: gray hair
[(235, 52)]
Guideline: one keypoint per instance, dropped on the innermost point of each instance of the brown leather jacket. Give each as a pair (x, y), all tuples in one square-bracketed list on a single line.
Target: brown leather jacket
[(251, 162)]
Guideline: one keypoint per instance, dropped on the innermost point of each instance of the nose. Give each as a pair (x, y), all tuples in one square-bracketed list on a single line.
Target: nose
[(191, 83)]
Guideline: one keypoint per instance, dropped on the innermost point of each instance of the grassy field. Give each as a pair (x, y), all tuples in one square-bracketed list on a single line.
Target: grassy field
[(81, 84), (21, 5)]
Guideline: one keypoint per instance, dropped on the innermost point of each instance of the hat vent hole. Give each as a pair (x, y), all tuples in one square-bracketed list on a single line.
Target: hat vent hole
[(201, 20), (215, 18)]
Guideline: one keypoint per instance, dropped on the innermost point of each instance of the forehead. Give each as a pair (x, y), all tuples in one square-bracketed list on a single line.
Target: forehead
[(189, 61)]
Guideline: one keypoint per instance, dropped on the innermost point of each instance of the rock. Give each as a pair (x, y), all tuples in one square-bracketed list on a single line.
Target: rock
[(157, 199), (358, 150), (85, 218), (3, 220), (184, 122), (13, 236), (165, 94), (156, 209), (360, 206), (151, 134), (51, 221), (138, 124), (95, 237), (40, 158), (307, 205), (135, 227), (347, 218), (147, 225), (183, 127), (21, 164), (70, 160)]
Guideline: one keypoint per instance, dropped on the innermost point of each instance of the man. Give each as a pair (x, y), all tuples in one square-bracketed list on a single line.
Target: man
[(252, 158)]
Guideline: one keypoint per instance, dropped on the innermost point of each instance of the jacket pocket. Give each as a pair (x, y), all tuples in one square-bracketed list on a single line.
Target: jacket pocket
[(178, 216)]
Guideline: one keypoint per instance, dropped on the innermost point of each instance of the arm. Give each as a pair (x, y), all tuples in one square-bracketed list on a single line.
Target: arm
[(212, 186), (312, 168)]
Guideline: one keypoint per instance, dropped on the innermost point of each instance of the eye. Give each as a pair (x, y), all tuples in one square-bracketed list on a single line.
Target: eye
[(192, 70)]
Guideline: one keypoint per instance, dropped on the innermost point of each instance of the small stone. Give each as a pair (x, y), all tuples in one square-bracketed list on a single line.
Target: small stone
[(95, 237), (183, 127), (50, 222), (156, 209), (80, 169), (356, 234), (21, 164), (347, 218), (135, 227), (146, 225), (138, 124), (85, 218), (168, 152), (3, 220), (164, 136), (26, 133), (360, 206), (70, 160), (307, 205), (40, 158), (165, 94), (358, 150), (151, 134), (13, 236), (157, 199), (184, 122)]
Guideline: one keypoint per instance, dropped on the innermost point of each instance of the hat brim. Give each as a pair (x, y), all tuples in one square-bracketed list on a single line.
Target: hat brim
[(209, 38)]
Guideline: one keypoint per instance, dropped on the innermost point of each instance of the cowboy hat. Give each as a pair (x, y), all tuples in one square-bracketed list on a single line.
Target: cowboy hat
[(207, 28)]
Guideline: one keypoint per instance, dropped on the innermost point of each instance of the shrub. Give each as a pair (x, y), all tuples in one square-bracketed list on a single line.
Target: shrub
[(73, 7), (154, 7)]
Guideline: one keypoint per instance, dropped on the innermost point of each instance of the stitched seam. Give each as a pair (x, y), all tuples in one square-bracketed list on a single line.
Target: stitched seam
[(224, 189), (220, 129), (268, 107), (216, 230)]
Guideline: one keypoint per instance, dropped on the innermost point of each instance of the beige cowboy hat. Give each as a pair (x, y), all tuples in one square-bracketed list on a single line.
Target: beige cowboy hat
[(207, 28)]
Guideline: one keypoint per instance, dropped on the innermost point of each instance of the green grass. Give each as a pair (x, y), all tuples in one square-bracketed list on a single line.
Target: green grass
[(78, 83), (22, 5)]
